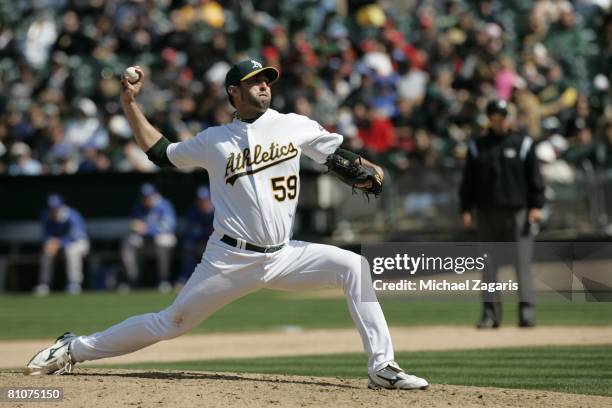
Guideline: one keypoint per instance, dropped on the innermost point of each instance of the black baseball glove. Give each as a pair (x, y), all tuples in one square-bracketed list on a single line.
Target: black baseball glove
[(355, 173)]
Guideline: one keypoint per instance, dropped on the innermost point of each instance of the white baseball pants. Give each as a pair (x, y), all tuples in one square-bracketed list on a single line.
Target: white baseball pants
[(74, 252), (133, 243), (227, 273)]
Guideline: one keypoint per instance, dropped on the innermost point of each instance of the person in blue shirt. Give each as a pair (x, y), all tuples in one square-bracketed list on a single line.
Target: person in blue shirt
[(64, 230), (198, 229), (153, 222)]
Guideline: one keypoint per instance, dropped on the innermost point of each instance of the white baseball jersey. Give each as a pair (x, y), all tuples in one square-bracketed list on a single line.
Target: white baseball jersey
[(254, 170)]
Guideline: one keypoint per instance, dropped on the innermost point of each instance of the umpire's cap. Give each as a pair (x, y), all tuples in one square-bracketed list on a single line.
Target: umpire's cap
[(497, 106), (246, 69)]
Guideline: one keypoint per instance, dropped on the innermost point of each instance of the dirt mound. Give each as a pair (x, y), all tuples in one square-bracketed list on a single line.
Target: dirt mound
[(137, 388)]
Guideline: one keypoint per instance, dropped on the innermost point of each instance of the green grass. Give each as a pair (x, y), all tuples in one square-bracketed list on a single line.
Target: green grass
[(23, 316), (571, 369)]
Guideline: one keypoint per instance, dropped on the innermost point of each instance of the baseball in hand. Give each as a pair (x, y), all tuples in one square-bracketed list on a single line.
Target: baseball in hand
[(131, 74)]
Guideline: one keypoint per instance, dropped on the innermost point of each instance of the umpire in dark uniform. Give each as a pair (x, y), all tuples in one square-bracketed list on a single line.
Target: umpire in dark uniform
[(503, 188)]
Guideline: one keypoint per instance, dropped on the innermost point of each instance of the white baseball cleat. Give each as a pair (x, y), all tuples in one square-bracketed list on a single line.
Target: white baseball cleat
[(53, 360), (393, 377)]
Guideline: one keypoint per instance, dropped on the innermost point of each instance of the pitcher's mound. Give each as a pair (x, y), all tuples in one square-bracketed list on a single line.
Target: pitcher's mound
[(182, 389)]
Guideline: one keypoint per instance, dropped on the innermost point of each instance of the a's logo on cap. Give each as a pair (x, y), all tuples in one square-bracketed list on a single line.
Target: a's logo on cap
[(256, 64)]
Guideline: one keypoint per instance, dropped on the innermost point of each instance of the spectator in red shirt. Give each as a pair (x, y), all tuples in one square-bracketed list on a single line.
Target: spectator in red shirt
[(376, 131)]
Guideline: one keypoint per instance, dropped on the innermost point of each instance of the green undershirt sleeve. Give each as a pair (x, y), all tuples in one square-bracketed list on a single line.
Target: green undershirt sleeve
[(158, 155), (347, 154)]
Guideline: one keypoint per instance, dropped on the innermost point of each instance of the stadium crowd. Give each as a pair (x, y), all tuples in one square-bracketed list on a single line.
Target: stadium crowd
[(405, 81)]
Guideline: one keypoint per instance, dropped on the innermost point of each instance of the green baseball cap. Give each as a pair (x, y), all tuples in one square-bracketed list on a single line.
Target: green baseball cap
[(246, 69)]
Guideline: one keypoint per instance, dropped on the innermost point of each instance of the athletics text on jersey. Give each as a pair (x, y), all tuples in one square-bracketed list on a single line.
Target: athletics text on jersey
[(254, 170)]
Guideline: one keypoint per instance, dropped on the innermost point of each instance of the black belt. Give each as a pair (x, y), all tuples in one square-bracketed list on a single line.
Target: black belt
[(250, 247)]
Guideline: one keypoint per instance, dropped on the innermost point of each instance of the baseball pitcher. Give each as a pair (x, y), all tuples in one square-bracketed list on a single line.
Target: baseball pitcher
[(253, 166)]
